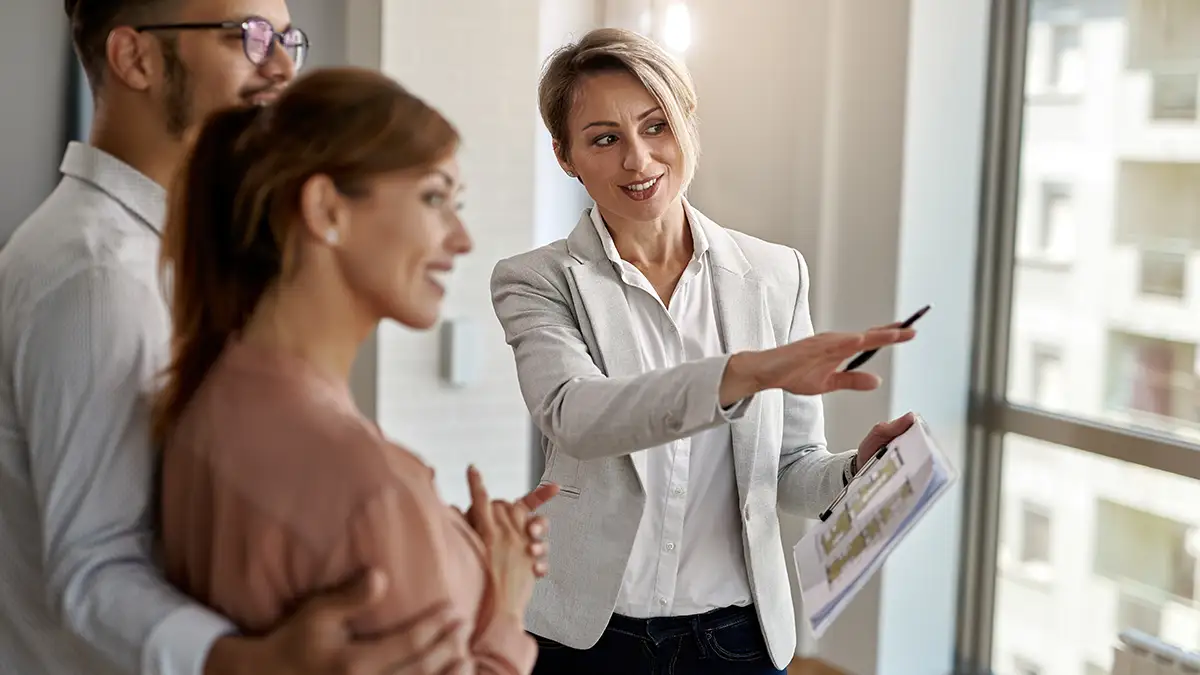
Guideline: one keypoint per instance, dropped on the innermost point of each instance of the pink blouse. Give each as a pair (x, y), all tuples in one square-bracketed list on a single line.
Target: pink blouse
[(276, 487)]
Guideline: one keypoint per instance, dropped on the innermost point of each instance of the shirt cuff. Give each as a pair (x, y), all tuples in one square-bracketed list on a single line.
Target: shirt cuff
[(181, 643), (735, 411), (849, 469)]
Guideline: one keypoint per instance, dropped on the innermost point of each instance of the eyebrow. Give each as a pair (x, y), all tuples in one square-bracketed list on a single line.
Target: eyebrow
[(450, 182), (607, 123)]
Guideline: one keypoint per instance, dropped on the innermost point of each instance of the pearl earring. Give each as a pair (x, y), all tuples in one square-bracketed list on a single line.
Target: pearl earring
[(331, 237)]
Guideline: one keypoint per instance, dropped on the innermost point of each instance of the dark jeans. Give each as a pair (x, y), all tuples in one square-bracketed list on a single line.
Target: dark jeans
[(726, 641)]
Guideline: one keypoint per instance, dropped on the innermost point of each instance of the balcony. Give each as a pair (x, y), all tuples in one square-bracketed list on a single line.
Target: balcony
[(1157, 290), (1124, 604)]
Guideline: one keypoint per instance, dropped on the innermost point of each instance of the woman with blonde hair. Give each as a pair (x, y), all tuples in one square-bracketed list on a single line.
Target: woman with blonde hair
[(671, 365), (295, 229)]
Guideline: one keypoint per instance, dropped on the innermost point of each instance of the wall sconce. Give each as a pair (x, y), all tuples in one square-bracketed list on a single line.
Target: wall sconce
[(459, 352), (676, 30)]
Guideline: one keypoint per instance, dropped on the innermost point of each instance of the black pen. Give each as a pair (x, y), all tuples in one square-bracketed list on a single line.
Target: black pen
[(866, 356)]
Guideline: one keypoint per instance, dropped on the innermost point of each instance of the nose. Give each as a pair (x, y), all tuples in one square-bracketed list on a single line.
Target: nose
[(279, 66), (637, 155), (459, 242)]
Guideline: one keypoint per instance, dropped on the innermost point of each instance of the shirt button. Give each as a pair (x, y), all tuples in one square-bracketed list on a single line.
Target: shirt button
[(662, 601), (677, 491), (670, 546)]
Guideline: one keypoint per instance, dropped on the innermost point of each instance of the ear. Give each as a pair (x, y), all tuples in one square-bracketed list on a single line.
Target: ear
[(323, 210), (132, 58), (562, 159)]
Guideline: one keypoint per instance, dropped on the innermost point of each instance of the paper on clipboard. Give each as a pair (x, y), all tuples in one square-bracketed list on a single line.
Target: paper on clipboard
[(838, 555)]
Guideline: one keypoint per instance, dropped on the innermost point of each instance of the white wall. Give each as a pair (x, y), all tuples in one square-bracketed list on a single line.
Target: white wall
[(477, 62)]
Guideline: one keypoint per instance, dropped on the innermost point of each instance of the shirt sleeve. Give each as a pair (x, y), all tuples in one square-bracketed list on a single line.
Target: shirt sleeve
[(84, 366), (810, 476), (403, 531)]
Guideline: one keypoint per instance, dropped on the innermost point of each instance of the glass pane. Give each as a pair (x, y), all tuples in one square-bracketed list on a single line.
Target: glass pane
[(1106, 296), (1088, 547)]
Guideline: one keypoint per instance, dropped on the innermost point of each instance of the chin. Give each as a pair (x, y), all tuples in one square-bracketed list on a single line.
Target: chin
[(416, 318)]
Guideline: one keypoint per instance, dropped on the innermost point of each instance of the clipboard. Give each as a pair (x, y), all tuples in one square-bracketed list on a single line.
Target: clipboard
[(868, 519)]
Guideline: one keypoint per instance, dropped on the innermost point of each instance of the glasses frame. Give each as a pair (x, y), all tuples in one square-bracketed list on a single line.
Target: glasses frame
[(277, 38)]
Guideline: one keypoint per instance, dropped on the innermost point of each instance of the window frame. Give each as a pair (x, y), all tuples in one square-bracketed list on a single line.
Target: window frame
[(991, 414)]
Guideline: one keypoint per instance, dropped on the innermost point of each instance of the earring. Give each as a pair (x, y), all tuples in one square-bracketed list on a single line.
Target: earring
[(331, 237), (572, 174)]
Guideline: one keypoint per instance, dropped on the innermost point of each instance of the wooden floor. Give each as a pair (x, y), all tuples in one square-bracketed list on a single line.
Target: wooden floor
[(812, 667)]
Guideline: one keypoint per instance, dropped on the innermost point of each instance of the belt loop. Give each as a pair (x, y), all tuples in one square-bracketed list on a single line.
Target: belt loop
[(698, 636)]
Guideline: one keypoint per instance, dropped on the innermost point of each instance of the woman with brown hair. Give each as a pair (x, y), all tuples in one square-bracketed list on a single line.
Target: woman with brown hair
[(294, 230)]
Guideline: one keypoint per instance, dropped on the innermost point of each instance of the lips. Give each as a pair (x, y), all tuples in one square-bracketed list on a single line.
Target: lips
[(643, 190), (438, 276)]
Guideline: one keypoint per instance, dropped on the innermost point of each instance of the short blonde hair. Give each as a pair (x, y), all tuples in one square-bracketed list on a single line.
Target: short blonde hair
[(615, 49)]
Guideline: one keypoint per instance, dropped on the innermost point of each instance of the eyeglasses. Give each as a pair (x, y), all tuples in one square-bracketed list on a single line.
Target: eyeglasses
[(258, 38)]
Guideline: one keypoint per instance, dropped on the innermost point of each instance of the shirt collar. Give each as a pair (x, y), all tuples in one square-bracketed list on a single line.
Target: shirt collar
[(134, 190), (699, 238)]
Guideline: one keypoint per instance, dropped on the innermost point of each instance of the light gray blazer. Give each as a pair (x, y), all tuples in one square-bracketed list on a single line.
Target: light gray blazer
[(564, 313)]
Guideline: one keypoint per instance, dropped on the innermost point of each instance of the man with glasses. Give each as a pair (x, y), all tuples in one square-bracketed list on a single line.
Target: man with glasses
[(83, 332)]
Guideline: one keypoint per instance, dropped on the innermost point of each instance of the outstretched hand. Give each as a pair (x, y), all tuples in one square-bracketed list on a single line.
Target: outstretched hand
[(808, 367)]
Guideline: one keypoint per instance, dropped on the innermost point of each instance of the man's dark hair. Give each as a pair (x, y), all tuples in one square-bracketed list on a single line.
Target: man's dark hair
[(92, 21)]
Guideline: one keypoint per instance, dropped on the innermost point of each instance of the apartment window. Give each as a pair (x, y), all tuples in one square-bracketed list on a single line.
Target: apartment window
[(1163, 272), (1048, 379), (1174, 97), (1156, 377), (1066, 58), (1035, 534), (1055, 236)]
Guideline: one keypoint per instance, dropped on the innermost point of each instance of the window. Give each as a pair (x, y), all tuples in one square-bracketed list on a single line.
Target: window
[(1163, 273), (1174, 97), (1162, 32), (1056, 229), (1066, 59), (1086, 439), (1035, 535), (1128, 535), (1152, 381), (1158, 205), (1049, 389)]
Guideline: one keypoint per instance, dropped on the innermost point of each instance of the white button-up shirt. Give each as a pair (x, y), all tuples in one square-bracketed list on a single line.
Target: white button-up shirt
[(83, 330), (688, 555)]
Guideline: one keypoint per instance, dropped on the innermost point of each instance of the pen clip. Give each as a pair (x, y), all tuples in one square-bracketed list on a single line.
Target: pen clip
[(846, 490)]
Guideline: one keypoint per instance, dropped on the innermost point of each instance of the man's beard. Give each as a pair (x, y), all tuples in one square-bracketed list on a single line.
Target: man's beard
[(178, 103)]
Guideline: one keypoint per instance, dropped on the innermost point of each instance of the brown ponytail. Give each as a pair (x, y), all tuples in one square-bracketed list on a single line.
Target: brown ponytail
[(233, 206)]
